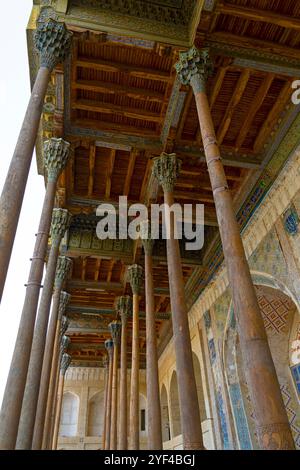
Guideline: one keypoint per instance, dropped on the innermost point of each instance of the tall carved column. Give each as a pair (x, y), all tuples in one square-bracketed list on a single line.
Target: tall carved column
[(65, 362), (63, 348), (52, 41), (124, 307), (60, 223), (59, 304), (115, 328), (153, 397), (56, 152), (272, 424), (166, 169), (110, 349), (135, 274), (105, 363)]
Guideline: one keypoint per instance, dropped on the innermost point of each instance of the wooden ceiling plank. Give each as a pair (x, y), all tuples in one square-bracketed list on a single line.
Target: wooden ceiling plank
[(256, 104), (193, 196), (130, 168), (110, 270), (110, 170), (272, 117), (185, 111), (92, 156), (134, 70), (146, 180), (109, 108), (83, 271), (266, 16), (114, 127), (234, 101), (114, 88)]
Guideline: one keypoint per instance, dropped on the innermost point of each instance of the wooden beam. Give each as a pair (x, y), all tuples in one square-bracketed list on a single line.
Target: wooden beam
[(110, 270), (256, 104), (217, 85), (235, 99), (84, 261), (134, 70), (115, 287), (266, 16), (145, 180), (91, 169), (97, 269), (114, 127), (110, 170), (114, 88), (272, 117), (253, 43), (185, 111), (130, 168), (161, 300), (109, 108), (193, 196)]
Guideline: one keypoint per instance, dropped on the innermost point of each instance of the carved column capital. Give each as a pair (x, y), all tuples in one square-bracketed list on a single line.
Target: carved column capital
[(124, 307), (65, 362), (63, 268), (145, 233), (64, 326), (194, 67), (64, 299), (166, 169), (61, 219), (64, 344), (135, 276), (53, 41), (56, 154), (109, 346), (115, 330)]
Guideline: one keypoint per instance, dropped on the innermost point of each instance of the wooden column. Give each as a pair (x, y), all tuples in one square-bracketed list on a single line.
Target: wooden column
[(110, 348), (272, 424), (60, 222), (135, 274), (56, 152), (65, 362), (63, 347), (59, 304), (115, 328), (166, 169), (53, 41), (124, 307), (153, 396), (105, 363)]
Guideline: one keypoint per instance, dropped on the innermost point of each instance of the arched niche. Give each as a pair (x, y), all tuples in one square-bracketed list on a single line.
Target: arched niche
[(96, 415), (174, 404), (69, 415), (165, 417)]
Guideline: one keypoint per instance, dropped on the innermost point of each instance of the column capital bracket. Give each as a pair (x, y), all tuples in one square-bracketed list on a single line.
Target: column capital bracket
[(64, 299), (61, 219), (56, 154), (124, 307), (63, 268), (53, 41), (166, 169), (65, 342), (65, 362), (194, 67), (135, 276), (109, 346), (63, 327), (115, 330)]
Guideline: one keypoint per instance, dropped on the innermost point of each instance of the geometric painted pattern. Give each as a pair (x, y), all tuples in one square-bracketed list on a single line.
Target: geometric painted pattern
[(274, 309), (291, 414)]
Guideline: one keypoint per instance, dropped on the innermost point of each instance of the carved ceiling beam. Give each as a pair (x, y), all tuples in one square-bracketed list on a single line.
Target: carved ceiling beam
[(110, 170), (117, 128), (83, 309), (254, 14), (130, 169), (92, 155)]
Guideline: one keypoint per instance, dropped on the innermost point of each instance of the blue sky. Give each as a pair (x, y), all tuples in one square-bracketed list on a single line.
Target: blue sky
[(14, 96)]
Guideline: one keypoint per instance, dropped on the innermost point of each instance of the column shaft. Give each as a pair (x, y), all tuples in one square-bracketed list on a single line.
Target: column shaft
[(58, 410), (108, 411), (187, 391), (53, 413), (134, 435), (31, 393), (271, 416), (105, 407), (153, 398), (13, 395), (16, 179), (123, 389), (40, 422), (114, 400)]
